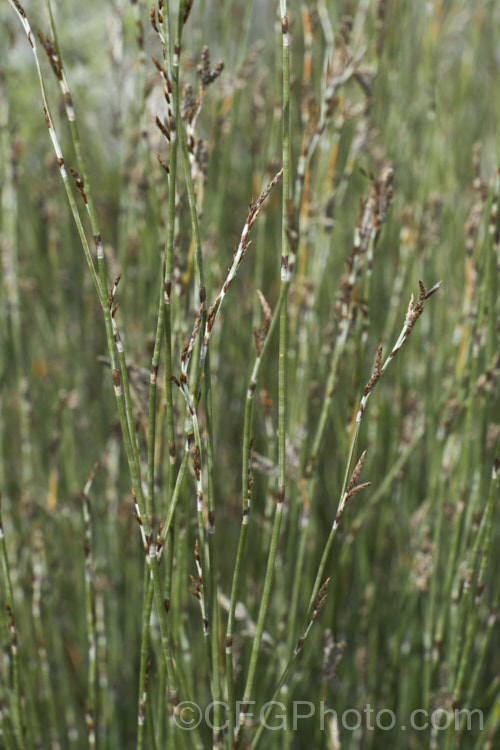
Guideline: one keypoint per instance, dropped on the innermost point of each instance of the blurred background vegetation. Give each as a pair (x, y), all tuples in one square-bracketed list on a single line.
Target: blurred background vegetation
[(411, 547)]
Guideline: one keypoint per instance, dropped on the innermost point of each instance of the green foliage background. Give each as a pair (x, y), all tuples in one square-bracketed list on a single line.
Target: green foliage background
[(431, 428)]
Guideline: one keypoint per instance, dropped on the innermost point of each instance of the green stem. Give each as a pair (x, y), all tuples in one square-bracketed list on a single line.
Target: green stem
[(18, 716), (142, 692), (282, 395), (245, 492), (124, 410)]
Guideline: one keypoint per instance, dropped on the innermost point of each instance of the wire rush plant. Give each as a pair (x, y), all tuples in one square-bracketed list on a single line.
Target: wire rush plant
[(239, 551)]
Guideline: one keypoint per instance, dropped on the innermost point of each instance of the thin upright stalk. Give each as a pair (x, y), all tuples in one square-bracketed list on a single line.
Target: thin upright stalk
[(124, 405), (246, 496), (207, 552), (282, 395), (18, 715), (142, 687), (413, 313), (90, 612)]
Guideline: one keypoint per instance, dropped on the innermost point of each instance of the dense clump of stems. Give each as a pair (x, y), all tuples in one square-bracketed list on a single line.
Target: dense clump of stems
[(256, 533)]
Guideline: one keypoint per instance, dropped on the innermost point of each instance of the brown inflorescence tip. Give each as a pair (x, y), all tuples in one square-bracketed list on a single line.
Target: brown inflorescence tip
[(195, 590), (321, 596), (432, 290), (162, 163), (174, 380), (152, 18), (377, 371), (357, 471), (158, 65), (353, 488), (52, 55), (163, 128), (20, 8), (358, 488), (207, 75)]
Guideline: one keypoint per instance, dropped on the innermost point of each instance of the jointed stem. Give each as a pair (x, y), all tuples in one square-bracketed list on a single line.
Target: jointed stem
[(282, 395)]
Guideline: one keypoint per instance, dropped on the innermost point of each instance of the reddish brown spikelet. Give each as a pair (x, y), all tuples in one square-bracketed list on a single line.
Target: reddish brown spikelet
[(162, 162), (152, 17), (163, 128), (357, 471), (51, 53), (257, 341), (433, 290), (190, 104), (376, 372), (358, 488), (174, 380), (208, 76), (158, 65), (195, 591), (353, 488), (320, 599), (20, 8), (299, 645), (79, 183), (255, 207), (423, 292)]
